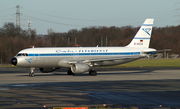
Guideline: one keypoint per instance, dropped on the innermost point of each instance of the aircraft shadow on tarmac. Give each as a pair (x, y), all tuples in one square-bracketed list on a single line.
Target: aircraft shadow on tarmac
[(86, 74), (120, 73), (45, 74)]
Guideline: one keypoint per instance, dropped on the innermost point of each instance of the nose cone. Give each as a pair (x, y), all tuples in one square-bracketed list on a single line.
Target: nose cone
[(14, 61)]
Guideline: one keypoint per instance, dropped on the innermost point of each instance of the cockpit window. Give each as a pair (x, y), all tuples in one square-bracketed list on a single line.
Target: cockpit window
[(22, 54)]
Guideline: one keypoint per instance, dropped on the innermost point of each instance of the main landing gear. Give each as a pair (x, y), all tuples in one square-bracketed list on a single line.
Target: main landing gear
[(92, 72), (31, 74)]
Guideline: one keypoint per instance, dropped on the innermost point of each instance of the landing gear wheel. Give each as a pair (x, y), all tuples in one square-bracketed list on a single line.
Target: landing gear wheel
[(31, 74), (92, 73), (69, 72)]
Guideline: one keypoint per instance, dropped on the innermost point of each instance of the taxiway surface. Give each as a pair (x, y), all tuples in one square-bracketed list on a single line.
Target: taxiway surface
[(115, 87)]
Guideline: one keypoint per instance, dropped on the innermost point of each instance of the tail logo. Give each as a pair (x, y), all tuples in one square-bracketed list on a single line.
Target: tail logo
[(147, 30)]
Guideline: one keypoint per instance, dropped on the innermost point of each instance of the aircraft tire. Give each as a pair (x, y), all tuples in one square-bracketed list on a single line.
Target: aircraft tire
[(92, 73), (31, 74)]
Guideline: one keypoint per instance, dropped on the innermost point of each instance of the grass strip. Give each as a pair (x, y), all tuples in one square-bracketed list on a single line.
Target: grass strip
[(152, 63)]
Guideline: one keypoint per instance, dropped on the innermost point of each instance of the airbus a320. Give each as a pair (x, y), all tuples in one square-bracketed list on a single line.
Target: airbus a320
[(85, 59)]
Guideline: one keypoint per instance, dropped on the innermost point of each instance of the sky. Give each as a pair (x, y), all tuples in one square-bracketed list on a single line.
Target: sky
[(65, 15)]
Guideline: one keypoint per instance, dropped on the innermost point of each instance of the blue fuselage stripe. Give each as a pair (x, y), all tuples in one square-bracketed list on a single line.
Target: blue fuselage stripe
[(85, 54)]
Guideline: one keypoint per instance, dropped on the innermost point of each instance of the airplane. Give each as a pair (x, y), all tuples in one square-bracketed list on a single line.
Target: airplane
[(85, 59)]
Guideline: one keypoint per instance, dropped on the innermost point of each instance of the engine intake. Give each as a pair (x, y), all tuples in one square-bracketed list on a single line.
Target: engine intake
[(80, 68)]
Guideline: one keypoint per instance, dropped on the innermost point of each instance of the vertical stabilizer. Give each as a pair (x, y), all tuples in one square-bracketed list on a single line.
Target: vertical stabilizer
[(143, 36)]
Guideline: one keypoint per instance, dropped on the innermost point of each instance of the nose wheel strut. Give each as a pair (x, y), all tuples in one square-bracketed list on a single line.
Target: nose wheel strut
[(31, 74)]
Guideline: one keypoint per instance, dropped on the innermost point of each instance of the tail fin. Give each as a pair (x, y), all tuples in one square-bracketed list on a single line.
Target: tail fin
[(143, 36)]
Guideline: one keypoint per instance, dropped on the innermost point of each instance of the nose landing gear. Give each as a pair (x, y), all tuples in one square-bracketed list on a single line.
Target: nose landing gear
[(31, 74)]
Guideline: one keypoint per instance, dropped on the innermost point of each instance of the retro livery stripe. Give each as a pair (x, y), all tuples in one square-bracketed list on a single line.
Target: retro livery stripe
[(86, 54)]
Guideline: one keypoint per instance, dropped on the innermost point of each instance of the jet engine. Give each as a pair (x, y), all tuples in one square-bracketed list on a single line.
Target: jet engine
[(80, 68), (46, 70)]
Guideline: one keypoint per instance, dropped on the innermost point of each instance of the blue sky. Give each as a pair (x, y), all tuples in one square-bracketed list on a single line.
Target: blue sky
[(64, 15)]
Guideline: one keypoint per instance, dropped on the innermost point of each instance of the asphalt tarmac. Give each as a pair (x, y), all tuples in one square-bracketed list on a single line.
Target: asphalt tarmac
[(114, 87)]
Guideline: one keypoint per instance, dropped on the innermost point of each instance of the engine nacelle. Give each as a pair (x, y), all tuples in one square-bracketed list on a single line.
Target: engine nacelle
[(80, 68), (46, 70)]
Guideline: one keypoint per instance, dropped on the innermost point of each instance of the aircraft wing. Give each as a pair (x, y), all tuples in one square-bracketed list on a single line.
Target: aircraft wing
[(145, 52), (102, 59), (108, 59)]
